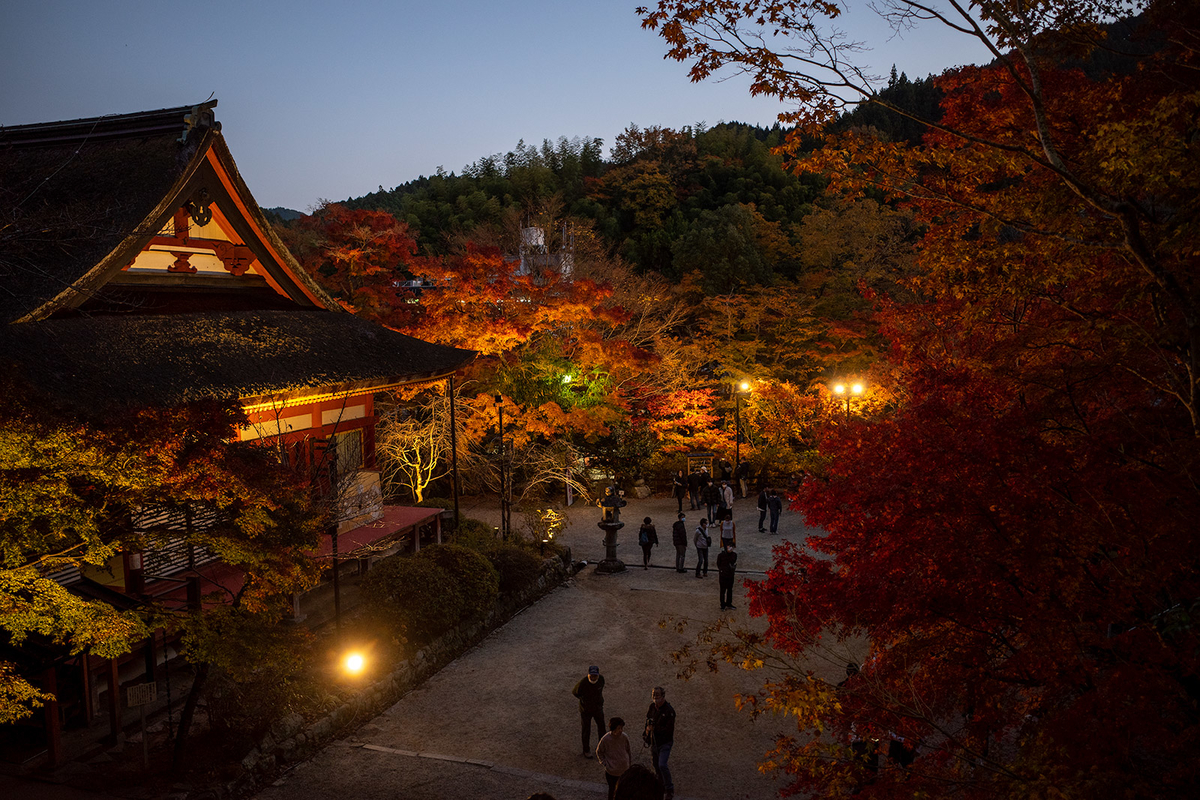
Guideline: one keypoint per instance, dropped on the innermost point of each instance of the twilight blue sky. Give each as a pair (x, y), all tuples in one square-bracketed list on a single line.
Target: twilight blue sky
[(330, 100)]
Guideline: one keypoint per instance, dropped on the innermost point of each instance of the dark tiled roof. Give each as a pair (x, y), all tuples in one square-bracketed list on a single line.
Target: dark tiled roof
[(71, 192), (94, 362)]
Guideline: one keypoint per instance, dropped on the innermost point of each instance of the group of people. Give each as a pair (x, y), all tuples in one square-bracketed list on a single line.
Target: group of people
[(705, 493), (698, 482), (627, 780), (702, 540)]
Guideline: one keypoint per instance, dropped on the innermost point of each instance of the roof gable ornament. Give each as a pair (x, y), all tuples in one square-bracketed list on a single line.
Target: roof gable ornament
[(200, 117), (199, 208)]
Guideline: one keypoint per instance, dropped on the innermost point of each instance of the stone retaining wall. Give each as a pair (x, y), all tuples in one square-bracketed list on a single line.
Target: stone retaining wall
[(292, 739)]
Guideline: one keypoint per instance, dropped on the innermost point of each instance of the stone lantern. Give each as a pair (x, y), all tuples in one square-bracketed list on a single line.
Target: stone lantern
[(610, 523)]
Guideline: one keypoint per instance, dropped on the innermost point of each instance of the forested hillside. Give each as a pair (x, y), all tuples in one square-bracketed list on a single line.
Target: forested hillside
[(717, 201)]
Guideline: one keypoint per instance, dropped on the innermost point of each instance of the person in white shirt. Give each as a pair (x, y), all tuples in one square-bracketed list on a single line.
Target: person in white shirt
[(614, 753)]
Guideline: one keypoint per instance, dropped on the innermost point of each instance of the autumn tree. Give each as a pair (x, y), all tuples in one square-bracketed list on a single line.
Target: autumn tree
[(69, 484), (1012, 540), (414, 440), (361, 257)]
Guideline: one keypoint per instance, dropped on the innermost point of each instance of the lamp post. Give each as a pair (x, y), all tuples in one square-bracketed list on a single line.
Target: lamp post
[(743, 388), (453, 450), (842, 389), (503, 499)]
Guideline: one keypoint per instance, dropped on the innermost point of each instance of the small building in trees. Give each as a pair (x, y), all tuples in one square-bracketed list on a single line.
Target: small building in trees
[(138, 270)]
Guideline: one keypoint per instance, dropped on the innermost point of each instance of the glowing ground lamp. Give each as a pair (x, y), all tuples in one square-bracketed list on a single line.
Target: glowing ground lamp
[(353, 663)]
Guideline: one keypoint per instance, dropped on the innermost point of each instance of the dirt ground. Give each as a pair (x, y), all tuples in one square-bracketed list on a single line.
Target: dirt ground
[(500, 722)]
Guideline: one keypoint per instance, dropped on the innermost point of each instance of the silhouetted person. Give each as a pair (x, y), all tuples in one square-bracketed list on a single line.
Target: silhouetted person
[(775, 505), (679, 488), (726, 569), (639, 783), (660, 725), (702, 541), (647, 538), (679, 537), (590, 691)]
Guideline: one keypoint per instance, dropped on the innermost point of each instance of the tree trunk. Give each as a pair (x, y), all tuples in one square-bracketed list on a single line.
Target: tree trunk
[(189, 709)]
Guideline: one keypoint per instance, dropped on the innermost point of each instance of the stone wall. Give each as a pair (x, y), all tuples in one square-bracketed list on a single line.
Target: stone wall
[(293, 739)]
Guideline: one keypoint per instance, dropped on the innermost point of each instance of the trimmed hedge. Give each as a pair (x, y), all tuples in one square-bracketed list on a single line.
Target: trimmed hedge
[(516, 566), (476, 580), (415, 595), (475, 534)]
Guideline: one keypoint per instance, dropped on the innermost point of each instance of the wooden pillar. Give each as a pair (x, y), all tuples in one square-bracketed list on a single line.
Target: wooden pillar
[(89, 709), (114, 700), (437, 528), (193, 593), (148, 650), (53, 723)]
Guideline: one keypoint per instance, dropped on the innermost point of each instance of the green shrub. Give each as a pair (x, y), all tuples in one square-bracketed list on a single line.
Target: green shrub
[(517, 567), (475, 534), (475, 578), (419, 598), (256, 670)]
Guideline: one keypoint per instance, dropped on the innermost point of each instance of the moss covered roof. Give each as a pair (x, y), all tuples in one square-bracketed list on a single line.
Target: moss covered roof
[(175, 358)]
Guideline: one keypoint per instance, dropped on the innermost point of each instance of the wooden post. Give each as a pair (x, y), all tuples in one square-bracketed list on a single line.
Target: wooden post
[(53, 724), (114, 700), (89, 709)]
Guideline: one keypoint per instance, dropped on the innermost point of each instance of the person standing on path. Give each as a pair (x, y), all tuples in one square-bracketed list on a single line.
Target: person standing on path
[(776, 507), (660, 728), (726, 569), (695, 483), (679, 488), (647, 538), (702, 541), (728, 529), (742, 473), (763, 502), (711, 494), (680, 539), (590, 691), (614, 753), (726, 496)]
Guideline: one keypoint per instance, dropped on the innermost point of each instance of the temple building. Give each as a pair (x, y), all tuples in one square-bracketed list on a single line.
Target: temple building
[(137, 269)]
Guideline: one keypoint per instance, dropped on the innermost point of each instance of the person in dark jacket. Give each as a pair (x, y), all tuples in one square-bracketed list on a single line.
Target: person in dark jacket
[(726, 469), (702, 541), (679, 538), (590, 691), (743, 474), (763, 502), (711, 495), (775, 505), (726, 569), (695, 483), (679, 488), (647, 538), (660, 729)]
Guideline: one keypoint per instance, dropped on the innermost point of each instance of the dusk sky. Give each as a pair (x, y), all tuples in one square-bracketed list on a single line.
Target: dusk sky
[(324, 100)]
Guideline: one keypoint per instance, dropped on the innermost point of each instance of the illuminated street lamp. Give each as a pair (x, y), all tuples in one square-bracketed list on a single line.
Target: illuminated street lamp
[(743, 388), (843, 390)]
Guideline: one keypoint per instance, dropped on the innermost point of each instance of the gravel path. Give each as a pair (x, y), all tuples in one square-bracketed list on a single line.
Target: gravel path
[(500, 722)]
